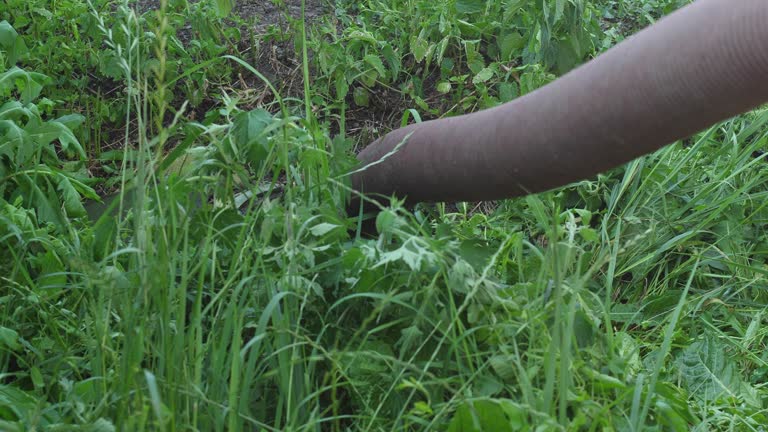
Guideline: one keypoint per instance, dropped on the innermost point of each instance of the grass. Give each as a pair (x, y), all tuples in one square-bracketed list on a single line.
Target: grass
[(632, 301)]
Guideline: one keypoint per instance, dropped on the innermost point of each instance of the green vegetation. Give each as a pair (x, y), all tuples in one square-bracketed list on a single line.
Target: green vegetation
[(226, 289)]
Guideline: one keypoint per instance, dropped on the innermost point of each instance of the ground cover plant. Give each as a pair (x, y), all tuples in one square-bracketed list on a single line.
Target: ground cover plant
[(222, 286)]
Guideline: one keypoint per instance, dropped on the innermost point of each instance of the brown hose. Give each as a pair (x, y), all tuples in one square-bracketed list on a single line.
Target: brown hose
[(702, 64)]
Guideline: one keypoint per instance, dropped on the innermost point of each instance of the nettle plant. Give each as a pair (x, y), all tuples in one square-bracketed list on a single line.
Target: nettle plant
[(474, 49), (40, 158)]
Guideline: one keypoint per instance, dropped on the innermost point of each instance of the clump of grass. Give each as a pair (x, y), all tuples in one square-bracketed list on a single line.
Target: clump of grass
[(233, 293)]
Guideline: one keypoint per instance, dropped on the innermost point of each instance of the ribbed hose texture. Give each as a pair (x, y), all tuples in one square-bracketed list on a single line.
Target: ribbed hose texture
[(702, 64)]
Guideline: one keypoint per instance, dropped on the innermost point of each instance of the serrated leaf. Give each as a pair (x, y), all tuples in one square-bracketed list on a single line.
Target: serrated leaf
[(409, 253), (342, 86), (376, 63), (461, 277), (707, 372), (112, 66), (70, 197), (508, 91), (419, 48), (45, 133)]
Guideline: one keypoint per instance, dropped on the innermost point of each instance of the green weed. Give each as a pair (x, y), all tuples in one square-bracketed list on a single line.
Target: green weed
[(225, 288)]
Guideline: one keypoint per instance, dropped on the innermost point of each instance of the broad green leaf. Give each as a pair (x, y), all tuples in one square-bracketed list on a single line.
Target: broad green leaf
[(444, 87), (369, 77), (673, 401), (510, 44), (461, 277), (13, 110), (589, 235), (15, 143), (70, 197), (113, 66), (482, 415), (37, 377), (442, 46), (342, 86), (376, 63), (322, 229), (45, 13), (707, 370), (249, 133), (29, 84), (470, 6), (393, 60), (16, 404), (15, 220), (45, 133), (386, 220), (410, 253), (32, 86), (51, 271), (37, 193), (300, 285), (559, 9), (102, 425), (508, 91), (223, 7), (11, 43), (249, 126), (9, 339), (583, 329), (419, 48), (362, 35), (484, 75), (567, 58), (71, 121), (361, 96)]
